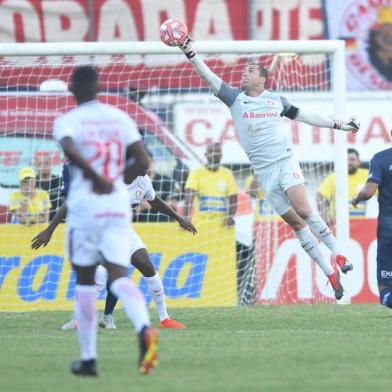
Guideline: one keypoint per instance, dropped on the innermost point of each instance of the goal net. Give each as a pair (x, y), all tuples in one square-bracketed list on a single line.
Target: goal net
[(256, 261)]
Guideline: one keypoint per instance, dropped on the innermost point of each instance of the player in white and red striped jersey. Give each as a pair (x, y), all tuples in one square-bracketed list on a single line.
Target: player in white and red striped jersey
[(98, 139)]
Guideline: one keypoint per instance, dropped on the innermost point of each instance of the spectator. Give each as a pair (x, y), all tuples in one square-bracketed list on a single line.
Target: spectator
[(357, 178), (215, 188), (29, 205), (47, 181), (164, 188)]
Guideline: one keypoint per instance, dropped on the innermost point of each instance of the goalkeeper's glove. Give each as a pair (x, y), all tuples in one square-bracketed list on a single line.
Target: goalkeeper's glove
[(187, 47), (349, 126)]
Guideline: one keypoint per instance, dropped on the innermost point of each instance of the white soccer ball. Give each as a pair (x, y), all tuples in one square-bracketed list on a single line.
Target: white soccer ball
[(173, 32)]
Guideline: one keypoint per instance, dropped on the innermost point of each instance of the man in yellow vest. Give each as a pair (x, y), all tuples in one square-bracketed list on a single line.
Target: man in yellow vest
[(357, 178), (214, 188)]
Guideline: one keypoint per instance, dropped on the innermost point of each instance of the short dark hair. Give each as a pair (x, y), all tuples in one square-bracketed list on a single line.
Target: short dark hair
[(85, 75), (262, 70), (353, 151)]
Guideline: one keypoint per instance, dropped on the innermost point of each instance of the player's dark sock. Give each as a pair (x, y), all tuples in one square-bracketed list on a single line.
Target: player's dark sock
[(111, 301), (386, 297)]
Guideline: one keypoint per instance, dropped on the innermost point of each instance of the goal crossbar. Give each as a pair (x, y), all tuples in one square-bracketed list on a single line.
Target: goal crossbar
[(155, 47)]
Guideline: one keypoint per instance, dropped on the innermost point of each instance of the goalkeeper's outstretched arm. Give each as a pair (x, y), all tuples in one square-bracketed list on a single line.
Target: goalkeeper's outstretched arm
[(319, 120), (200, 66)]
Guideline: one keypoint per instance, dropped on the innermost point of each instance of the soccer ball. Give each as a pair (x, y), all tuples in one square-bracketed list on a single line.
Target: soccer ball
[(173, 32)]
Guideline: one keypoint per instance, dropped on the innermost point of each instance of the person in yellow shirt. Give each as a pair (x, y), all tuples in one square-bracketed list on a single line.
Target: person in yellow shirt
[(357, 178), (215, 189), (29, 205)]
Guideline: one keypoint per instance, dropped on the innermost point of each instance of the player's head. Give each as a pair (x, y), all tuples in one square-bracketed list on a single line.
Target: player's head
[(213, 155), (85, 83), (353, 161), (254, 76)]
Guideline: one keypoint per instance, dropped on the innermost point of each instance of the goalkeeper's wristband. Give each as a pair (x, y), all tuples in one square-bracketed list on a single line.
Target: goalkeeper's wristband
[(338, 124), (190, 54)]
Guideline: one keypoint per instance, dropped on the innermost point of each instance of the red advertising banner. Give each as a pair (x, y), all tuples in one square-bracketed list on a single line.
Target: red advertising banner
[(118, 20), (286, 275), (137, 20)]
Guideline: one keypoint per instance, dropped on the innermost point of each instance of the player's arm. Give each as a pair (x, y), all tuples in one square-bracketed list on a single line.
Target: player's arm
[(138, 162), (231, 210), (317, 120), (368, 191), (325, 122), (200, 66), (164, 208), (222, 90), (43, 238), (373, 182), (101, 184)]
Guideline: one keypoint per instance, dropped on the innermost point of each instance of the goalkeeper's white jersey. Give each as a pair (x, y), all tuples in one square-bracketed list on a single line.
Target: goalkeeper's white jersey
[(258, 124), (139, 189), (101, 133)]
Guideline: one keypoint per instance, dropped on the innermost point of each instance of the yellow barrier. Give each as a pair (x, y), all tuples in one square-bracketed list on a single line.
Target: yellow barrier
[(195, 270)]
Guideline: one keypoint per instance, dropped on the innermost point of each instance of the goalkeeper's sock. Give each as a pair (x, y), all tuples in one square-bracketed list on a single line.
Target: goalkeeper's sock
[(386, 297), (133, 302), (323, 233), (155, 288), (86, 315), (311, 247), (110, 302)]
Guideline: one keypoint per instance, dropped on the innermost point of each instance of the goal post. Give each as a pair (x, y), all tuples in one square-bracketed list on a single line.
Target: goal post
[(177, 116)]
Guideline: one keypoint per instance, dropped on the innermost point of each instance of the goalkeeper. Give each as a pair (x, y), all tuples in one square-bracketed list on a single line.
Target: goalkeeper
[(257, 116)]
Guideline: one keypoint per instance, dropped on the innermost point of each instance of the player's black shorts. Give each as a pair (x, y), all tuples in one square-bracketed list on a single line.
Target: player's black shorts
[(384, 260)]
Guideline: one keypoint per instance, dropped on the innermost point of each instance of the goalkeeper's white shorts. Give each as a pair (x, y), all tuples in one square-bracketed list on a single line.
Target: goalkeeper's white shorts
[(276, 178)]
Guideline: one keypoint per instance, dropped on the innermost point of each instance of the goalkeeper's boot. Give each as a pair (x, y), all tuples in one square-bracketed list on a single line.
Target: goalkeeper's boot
[(84, 368), (169, 323), (344, 264), (334, 279), (148, 346), (107, 322), (73, 324)]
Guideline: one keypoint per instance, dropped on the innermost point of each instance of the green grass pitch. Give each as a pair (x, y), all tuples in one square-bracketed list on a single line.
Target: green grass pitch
[(277, 348)]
